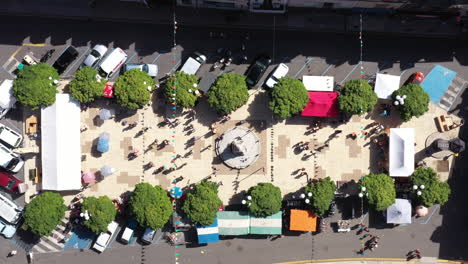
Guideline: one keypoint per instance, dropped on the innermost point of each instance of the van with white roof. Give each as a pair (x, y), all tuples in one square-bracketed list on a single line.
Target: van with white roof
[(9, 160), (10, 137), (112, 63), (9, 211), (7, 100), (193, 63)]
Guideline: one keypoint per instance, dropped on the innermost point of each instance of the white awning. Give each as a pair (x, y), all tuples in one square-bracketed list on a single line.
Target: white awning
[(386, 84), (401, 152), (399, 212), (61, 147), (7, 100), (318, 83)]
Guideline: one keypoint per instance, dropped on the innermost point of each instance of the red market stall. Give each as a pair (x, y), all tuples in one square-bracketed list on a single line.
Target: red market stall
[(322, 104)]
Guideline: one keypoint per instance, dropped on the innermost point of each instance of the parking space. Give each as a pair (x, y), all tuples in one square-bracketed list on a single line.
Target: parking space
[(75, 65)]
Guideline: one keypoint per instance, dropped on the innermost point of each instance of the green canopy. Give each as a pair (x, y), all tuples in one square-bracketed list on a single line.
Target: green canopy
[(270, 225), (233, 223)]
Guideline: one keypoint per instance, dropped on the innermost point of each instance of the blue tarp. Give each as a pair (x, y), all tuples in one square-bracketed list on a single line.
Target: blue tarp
[(208, 234), (437, 82)]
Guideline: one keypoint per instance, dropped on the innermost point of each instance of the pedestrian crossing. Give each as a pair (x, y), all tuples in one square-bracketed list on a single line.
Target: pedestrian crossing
[(54, 242), (452, 93)]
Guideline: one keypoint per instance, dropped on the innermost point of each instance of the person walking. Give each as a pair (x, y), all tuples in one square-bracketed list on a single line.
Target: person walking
[(12, 253)]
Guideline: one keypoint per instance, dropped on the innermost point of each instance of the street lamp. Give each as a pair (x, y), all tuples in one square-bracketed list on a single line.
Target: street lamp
[(309, 194), (244, 201), (415, 187), (418, 193), (360, 195), (363, 188), (307, 201), (249, 197), (422, 186), (302, 195)]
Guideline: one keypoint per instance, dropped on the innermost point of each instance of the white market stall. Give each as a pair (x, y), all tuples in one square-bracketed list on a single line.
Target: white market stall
[(401, 152), (61, 147), (399, 212), (385, 85), (318, 83)]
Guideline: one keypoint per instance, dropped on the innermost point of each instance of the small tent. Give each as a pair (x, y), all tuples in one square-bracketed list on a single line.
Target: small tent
[(399, 212), (208, 234), (233, 223), (270, 225), (323, 104), (386, 84), (302, 220), (401, 152)]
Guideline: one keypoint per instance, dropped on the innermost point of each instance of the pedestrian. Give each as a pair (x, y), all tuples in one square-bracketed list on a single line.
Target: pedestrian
[(338, 131), (150, 165), (134, 124), (361, 251), (12, 253), (84, 128), (165, 142), (125, 122)]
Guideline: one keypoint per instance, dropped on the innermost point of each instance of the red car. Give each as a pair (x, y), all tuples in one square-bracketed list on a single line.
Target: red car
[(416, 78), (9, 182)]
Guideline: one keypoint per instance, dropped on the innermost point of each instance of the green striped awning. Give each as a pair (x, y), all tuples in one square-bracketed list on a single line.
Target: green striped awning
[(270, 225), (233, 223)]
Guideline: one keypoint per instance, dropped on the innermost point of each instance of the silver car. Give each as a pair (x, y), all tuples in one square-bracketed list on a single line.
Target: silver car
[(95, 56), (10, 137), (150, 69)]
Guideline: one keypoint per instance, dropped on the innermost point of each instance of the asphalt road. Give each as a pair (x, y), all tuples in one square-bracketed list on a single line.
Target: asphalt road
[(443, 235)]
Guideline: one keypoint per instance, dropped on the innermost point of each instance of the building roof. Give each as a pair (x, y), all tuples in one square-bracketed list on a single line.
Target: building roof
[(401, 152), (324, 104)]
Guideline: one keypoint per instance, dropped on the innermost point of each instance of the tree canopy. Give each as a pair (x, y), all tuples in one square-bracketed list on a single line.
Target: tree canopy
[(380, 189), (44, 213), (133, 89), (101, 212), (85, 87), (416, 102), (185, 87), (266, 199), (357, 97), (34, 86), (150, 205), (203, 203), (323, 192), (288, 97), (434, 192), (228, 93)]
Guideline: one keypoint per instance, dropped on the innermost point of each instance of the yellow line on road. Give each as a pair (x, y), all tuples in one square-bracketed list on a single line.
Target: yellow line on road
[(16, 51), (362, 259), (35, 45)]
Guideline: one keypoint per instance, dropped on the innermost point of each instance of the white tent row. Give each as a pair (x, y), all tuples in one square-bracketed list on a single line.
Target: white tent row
[(386, 84), (318, 83), (61, 147), (401, 152)]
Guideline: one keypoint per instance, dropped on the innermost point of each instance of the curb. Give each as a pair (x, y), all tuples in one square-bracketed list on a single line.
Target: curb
[(339, 260)]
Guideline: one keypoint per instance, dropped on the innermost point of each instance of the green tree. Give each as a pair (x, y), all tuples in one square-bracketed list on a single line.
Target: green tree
[(357, 97), (434, 192), (185, 87), (133, 89), (34, 86), (266, 199), (203, 203), (85, 87), (416, 101), (288, 97), (380, 190), (101, 212), (150, 205), (323, 192), (228, 93), (44, 213)]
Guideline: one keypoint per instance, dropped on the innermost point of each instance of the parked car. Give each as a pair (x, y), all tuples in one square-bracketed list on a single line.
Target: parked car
[(7, 230), (148, 235), (416, 78), (7, 100), (128, 233), (104, 238), (193, 63), (111, 63), (277, 74), (9, 160), (95, 56), (10, 137), (65, 59), (256, 70), (150, 69), (9, 211), (8, 181)]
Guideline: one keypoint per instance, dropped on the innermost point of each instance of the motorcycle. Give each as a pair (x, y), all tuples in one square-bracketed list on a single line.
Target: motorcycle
[(47, 55), (218, 64)]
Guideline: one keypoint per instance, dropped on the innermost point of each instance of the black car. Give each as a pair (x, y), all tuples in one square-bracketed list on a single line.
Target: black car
[(65, 59), (257, 69)]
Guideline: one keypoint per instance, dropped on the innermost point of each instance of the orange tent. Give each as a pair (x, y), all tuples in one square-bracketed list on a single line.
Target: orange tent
[(302, 220)]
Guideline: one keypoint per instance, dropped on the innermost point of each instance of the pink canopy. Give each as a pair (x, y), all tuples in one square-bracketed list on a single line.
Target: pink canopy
[(88, 177), (323, 104)]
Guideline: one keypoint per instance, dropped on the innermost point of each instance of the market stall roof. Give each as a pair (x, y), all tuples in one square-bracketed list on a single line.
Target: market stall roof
[(401, 152), (302, 220), (7, 100), (318, 83), (399, 212), (386, 84), (208, 234), (233, 223), (323, 104), (61, 147), (270, 225)]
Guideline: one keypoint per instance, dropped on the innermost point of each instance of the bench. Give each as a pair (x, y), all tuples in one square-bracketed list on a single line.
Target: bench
[(34, 175), (441, 123)]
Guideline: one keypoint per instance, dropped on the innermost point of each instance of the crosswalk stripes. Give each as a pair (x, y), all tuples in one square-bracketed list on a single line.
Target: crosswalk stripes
[(452, 93), (54, 242)]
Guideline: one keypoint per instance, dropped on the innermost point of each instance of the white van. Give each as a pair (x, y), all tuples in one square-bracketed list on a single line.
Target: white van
[(9, 160), (193, 63), (9, 211), (7, 100), (111, 63)]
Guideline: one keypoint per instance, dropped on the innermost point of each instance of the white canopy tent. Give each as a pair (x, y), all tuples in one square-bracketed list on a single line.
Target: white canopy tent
[(61, 147), (399, 212), (318, 83), (401, 152), (386, 84), (7, 100)]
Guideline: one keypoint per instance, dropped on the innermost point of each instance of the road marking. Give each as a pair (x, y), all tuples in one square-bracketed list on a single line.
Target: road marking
[(432, 214), (16, 51), (76, 61), (349, 73), (326, 70), (303, 67), (11, 74), (35, 45), (403, 72), (341, 260), (175, 66), (157, 57)]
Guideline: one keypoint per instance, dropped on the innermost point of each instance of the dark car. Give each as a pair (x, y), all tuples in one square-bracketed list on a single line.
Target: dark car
[(257, 69), (65, 59), (9, 182)]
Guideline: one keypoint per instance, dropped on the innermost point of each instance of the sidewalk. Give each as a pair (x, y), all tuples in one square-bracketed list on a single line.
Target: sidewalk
[(295, 19)]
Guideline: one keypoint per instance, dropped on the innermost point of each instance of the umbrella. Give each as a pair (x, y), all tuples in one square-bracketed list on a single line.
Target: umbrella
[(103, 142), (457, 145), (176, 192), (107, 171), (399, 212), (106, 114), (422, 211), (88, 177)]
